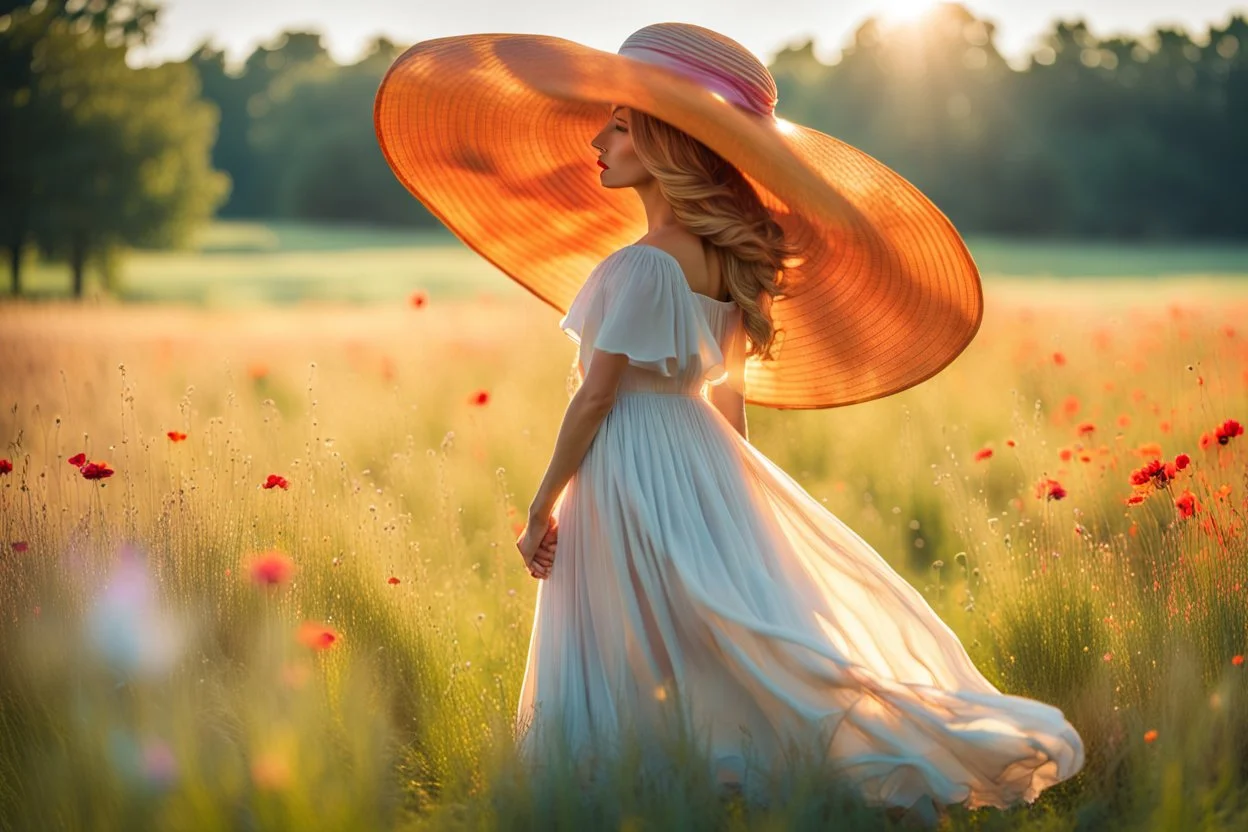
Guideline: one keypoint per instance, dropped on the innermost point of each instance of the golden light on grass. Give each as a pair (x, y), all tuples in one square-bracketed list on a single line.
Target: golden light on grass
[(1113, 623)]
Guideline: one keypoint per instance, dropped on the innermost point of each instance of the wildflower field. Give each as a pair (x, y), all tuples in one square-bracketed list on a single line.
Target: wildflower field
[(258, 565)]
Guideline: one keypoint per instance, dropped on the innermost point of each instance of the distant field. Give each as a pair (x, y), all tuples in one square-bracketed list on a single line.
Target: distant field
[(235, 263)]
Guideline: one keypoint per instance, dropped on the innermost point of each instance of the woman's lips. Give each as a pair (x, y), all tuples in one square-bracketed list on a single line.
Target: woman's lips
[(601, 165)]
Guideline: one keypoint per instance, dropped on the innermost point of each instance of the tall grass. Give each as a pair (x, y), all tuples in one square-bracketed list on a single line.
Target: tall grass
[(149, 680)]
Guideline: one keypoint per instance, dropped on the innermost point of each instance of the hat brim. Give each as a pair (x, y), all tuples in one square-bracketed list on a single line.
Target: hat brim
[(492, 133)]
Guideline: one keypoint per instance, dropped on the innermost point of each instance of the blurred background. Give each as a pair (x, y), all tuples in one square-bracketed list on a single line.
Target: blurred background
[(220, 152)]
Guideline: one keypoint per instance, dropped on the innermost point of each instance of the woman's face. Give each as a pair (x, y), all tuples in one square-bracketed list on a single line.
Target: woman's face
[(615, 145)]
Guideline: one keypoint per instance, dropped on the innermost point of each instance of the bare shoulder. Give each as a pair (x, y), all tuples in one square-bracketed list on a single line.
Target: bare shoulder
[(699, 266), (684, 246)]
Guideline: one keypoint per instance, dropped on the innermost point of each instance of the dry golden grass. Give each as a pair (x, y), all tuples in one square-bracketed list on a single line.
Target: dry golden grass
[(1128, 617)]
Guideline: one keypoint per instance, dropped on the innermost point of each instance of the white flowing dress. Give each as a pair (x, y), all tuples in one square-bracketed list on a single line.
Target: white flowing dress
[(693, 574)]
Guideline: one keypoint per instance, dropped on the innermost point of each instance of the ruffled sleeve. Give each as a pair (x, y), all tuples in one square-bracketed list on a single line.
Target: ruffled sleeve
[(637, 303)]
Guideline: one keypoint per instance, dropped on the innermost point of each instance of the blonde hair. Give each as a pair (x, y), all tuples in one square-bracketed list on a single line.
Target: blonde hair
[(713, 200)]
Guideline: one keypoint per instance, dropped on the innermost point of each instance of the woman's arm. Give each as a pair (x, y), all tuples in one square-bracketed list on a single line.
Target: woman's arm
[(732, 404), (586, 411)]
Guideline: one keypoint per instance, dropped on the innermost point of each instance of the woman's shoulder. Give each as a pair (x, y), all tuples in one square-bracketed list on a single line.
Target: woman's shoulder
[(643, 258), (641, 267)]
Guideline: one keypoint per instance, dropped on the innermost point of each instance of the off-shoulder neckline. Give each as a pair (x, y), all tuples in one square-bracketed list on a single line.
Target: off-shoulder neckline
[(684, 279)]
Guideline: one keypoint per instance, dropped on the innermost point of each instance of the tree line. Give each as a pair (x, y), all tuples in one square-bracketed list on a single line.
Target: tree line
[(1116, 137)]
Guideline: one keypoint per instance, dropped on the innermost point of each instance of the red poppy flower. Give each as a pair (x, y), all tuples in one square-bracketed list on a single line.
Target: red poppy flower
[(276, 481), (983, 453), (1237, 660), (96, 471), (271, 567), (175, 436), (1227, 431), (418, 298), (316, 635), (1049, 489), (5, 466), (1153, 473), (20, 546), (77, 459), (1187, 504), (393, 580), (1085, 428), (1158, 474), (1150, 735), (1059, 359), (479, 398)]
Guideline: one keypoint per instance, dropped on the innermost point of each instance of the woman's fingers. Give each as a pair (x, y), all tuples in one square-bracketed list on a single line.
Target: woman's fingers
[(544, 557)]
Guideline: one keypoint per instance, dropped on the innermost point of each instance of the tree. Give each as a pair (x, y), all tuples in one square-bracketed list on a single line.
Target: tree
[(27, 123), (103, 164), (318, 130), (247, 98)]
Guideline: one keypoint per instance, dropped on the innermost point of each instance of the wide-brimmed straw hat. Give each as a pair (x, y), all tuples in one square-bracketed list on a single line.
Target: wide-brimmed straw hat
[(492, 133)]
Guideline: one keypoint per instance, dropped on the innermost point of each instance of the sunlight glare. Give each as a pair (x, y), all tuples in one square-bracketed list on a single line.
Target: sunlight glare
[(903, 11)]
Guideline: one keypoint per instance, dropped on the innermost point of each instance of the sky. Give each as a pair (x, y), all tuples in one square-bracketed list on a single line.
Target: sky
[(762, 26)]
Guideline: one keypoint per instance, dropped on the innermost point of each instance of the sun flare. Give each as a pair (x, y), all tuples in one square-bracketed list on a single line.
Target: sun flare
[(903, 11)]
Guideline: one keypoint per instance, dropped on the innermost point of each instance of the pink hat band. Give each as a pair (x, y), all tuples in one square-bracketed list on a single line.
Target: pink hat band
[(725, 68)]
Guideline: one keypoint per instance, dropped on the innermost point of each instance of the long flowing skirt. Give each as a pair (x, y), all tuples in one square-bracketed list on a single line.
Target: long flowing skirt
[(693, 575)]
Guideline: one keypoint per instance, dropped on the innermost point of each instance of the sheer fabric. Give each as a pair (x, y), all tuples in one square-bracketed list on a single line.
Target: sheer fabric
[(694, 576)]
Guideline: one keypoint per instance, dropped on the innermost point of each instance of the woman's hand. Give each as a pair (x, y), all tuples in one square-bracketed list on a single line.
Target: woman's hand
[(537, 545)]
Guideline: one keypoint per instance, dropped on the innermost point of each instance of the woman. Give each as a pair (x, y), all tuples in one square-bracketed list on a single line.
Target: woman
[(684, 576)]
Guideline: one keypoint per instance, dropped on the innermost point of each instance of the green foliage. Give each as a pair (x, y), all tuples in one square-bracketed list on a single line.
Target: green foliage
[(1095, 137), (1103, 137), (98, 160), (298, 134)]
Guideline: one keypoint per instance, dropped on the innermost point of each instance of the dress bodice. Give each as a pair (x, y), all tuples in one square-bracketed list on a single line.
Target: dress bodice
[(637, 302)]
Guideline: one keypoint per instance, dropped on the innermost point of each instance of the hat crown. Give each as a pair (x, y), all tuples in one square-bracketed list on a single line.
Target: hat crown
[(712, 60)]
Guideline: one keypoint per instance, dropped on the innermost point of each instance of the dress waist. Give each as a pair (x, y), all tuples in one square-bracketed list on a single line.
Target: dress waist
[(689, 394)]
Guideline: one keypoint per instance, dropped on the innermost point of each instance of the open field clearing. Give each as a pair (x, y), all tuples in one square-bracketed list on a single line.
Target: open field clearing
[(308, 612)]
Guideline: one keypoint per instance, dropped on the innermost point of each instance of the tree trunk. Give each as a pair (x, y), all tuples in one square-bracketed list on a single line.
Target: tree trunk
[(78, 263)]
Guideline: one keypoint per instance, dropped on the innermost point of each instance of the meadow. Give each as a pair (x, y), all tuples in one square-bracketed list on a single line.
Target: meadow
[(257, 525)]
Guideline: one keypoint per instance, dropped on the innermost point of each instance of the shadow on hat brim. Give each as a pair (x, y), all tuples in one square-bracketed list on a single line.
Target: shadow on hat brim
[(492, 133)]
